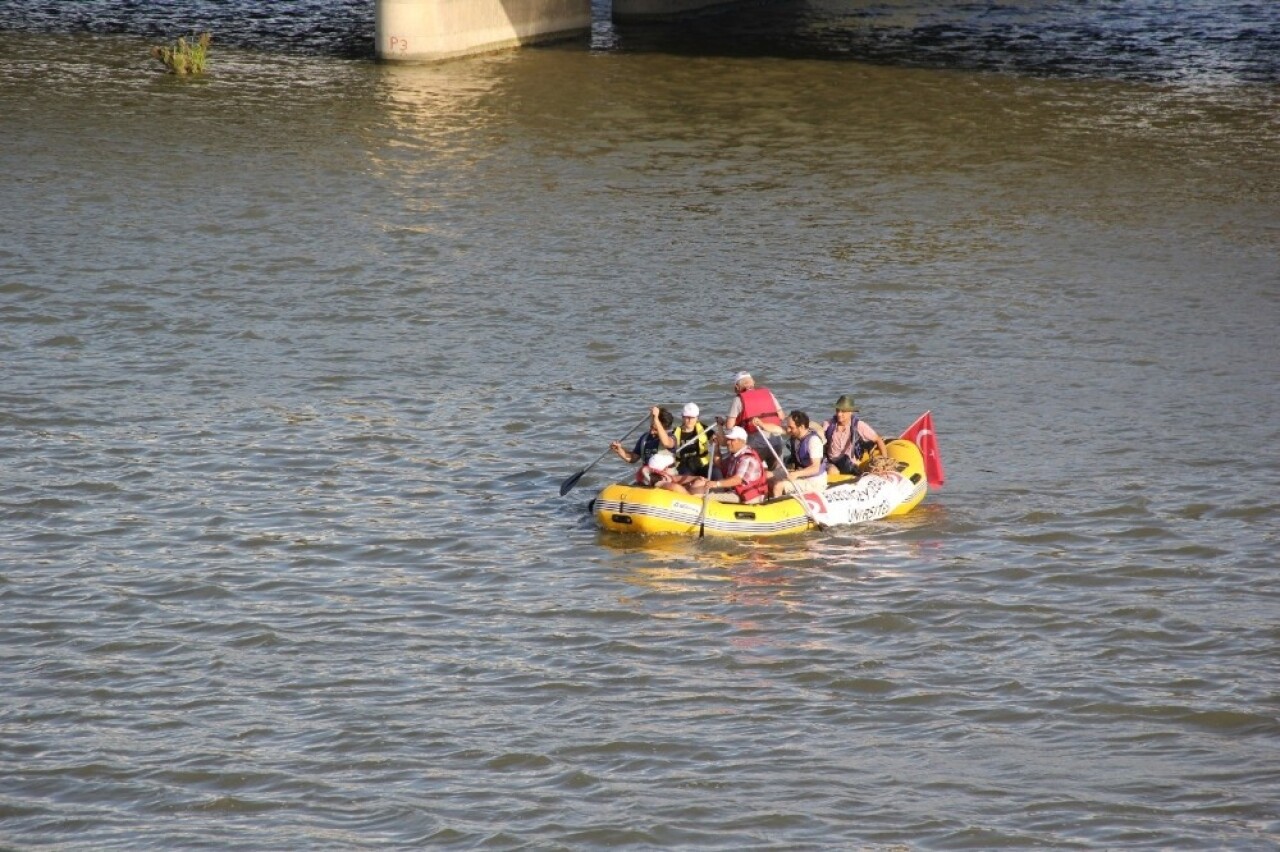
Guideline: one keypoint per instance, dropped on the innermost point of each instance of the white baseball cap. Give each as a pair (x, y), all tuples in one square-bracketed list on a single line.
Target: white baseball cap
[(740, 377), (690, 409), (737, 433)]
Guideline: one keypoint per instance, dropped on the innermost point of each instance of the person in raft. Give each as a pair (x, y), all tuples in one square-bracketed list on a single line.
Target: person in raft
[(744, 480), (658, 470), (849, 438), (756, 410), (809, 475), (693, 444), (657, 438)]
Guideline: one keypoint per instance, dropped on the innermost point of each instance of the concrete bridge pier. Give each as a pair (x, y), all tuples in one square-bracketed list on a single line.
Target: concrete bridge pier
[(431, 30)]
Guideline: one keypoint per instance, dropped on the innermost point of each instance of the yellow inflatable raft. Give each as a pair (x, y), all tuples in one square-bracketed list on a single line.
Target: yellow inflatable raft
[(645, 510)]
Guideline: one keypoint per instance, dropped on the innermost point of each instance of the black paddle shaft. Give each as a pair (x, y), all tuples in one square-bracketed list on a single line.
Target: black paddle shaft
[(572, 480)]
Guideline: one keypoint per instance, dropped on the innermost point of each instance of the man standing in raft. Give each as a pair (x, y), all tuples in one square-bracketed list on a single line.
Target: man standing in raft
[(756, 410)]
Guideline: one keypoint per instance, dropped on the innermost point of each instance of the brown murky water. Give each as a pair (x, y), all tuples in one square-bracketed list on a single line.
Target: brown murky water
[(295, 357)]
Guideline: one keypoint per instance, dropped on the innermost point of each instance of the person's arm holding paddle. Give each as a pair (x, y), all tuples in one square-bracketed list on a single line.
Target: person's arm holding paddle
[(745, 478), (767, 427), (658, 437), (662, 428), (572, 479), (623, 453)]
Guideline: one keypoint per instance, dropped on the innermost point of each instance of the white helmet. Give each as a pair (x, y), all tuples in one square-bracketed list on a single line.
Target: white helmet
[(661, 460)]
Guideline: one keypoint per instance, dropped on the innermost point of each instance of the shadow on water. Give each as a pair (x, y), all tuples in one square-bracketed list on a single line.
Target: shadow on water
[(1154, 40), (1195, 41)]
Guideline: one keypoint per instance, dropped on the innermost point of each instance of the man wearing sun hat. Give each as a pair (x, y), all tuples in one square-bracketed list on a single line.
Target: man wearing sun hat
[(848, 437), (756, 410)]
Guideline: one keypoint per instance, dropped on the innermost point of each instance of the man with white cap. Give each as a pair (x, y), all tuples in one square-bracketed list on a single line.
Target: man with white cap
[(756, 410), (744, 480), (693, 444)]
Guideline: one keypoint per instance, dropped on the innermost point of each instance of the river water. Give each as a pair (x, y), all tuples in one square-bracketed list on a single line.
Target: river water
[(294, 357)]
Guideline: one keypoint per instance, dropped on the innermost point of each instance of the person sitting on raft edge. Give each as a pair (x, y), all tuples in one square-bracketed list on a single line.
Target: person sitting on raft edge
[(659, 470), (849, 438), (744, 481), (809, 475), (657, 438)]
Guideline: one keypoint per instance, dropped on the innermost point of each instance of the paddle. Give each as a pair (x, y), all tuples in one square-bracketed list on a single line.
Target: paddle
[(702, 515), (572, 480), (706, 495), (795, 492)]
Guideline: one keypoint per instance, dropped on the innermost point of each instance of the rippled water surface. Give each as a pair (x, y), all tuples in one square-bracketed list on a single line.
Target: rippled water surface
[(294, 357)]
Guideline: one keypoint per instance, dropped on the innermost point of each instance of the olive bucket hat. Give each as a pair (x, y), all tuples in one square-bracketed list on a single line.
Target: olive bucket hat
[(845, 403)]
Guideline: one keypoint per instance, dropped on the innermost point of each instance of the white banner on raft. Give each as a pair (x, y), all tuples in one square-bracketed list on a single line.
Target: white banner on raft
[(870, 498)]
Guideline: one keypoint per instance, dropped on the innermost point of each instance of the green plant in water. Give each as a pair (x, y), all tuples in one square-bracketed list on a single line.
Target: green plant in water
[(184, 57)]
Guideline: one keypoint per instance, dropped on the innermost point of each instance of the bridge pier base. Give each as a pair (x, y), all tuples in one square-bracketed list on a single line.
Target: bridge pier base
[(431, 30)]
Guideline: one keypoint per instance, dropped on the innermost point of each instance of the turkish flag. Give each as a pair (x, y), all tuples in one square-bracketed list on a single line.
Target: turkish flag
[(922, 435)]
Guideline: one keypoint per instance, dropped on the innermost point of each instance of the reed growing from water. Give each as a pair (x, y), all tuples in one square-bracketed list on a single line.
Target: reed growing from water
[(184, 57)]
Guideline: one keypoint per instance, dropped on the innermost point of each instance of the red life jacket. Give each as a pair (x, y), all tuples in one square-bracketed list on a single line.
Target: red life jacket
[(757, 402), (748, 490)]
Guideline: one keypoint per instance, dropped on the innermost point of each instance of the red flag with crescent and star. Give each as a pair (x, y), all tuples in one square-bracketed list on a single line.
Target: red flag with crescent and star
[(922, 435)]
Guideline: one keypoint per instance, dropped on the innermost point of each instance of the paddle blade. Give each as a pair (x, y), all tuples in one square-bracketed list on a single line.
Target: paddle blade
[(567, 485)]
